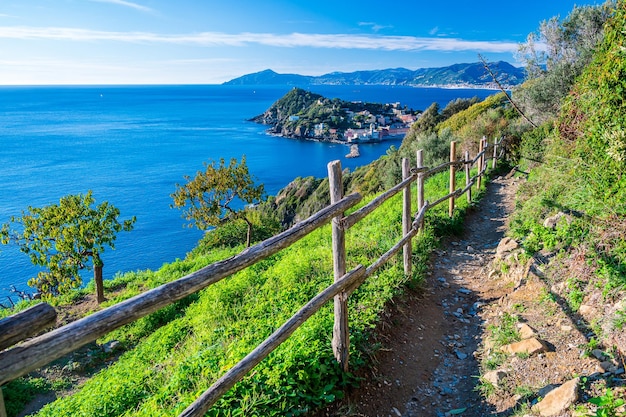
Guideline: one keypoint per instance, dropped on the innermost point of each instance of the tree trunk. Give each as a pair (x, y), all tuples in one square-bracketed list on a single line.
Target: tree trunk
[(249, 232), (97, 278)]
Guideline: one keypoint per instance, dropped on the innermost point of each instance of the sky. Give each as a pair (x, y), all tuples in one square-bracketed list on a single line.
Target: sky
[(46, 42)]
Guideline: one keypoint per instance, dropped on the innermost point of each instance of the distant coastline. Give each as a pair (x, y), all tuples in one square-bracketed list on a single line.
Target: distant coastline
[(457, 76)]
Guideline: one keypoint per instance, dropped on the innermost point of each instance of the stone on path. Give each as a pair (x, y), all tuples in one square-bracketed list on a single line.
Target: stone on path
[(506, 245), (525, 331), (495, 377), (528, 346), (558, 400)]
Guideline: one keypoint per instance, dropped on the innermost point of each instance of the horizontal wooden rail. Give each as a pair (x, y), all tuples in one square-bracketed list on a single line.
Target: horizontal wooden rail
[(43, 349), (26, 323), (202, 404), (443, 167), (349, 221), (455, 194)]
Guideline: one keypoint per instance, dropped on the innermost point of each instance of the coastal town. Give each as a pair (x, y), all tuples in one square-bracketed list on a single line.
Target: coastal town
[(368, 127), (304, 115)]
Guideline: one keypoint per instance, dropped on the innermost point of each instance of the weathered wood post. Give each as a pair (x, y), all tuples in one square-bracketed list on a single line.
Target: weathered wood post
[(495, 154), (420, 182), (483, 160), (3, 410), (452, 178), (341, 339), (406, 216), (479, 165), (468, 177)]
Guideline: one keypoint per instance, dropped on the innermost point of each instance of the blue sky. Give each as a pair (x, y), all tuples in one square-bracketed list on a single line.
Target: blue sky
[(212, 41)]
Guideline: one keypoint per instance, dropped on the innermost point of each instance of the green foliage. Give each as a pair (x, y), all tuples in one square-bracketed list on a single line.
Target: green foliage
[(206, 199), (534, 142), (608, 405), (569, 46), (583, 167), (63, 238), (22, 391), (506, 331)]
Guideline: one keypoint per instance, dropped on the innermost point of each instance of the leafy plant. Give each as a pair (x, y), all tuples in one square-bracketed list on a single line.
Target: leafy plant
[(608, 405), (506, 331), (207, 199), (63, 238)]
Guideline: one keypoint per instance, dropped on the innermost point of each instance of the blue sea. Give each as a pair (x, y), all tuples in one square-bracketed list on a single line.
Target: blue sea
[(130, 145)]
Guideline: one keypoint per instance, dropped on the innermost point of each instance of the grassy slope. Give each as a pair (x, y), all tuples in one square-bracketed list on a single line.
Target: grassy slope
[(581, 174)]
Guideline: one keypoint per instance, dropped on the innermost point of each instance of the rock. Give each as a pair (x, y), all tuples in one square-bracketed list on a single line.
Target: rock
[(110, 346), (599, 354), (460, 354), (354, 151), (529, 346), (525, 331), (607, 366), (586, 310), (552, 221), (506, 245), (464, 291), (566, 328), (495, 377), (558, 400)]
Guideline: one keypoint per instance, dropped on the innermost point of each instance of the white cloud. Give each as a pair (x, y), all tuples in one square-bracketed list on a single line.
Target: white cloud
[(293, 40), (375, 26), (126, 4)]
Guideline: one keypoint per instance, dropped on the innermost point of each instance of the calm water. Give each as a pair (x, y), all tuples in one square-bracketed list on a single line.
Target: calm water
[(131, 145)]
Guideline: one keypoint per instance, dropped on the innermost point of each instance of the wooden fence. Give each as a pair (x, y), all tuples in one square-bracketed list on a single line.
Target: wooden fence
[(41, 350)]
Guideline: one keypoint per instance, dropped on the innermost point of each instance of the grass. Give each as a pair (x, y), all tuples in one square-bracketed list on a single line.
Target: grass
[(505, 332)]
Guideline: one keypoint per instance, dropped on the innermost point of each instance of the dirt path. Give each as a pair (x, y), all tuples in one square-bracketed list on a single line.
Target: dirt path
[(426, 366)]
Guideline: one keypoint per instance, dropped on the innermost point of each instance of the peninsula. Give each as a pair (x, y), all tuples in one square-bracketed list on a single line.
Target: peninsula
[(302, 114)]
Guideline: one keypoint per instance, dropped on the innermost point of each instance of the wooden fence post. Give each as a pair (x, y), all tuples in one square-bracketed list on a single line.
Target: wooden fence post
[(468, 177), (420, 182), (3, 410), (341, 339), (479, 165), (452, 177), (406, 216), (495, 154), (483, 160)]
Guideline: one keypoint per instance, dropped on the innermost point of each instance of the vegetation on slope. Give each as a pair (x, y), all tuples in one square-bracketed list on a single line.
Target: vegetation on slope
[(576, 163)]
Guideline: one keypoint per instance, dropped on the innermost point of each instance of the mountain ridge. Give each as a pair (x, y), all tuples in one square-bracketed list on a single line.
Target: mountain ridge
[(456, 75)]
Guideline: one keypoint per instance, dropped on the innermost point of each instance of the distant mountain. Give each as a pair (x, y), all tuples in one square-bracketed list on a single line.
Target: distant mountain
[(457, 75)]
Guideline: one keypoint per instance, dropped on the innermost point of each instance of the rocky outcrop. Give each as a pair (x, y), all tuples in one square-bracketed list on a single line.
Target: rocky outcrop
[(559, 399)]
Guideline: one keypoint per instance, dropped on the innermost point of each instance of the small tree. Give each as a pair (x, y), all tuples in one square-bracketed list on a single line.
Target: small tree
[(207, 198), (64, 238)]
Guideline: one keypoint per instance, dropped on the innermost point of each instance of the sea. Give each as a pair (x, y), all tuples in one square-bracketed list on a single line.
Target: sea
[(131, 145)]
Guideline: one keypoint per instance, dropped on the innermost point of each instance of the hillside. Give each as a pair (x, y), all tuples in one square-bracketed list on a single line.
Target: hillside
[(457, 75)]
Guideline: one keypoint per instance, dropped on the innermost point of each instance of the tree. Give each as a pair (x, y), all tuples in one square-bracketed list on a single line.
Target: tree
[(206, 199), (556, 55), (64, 238)]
